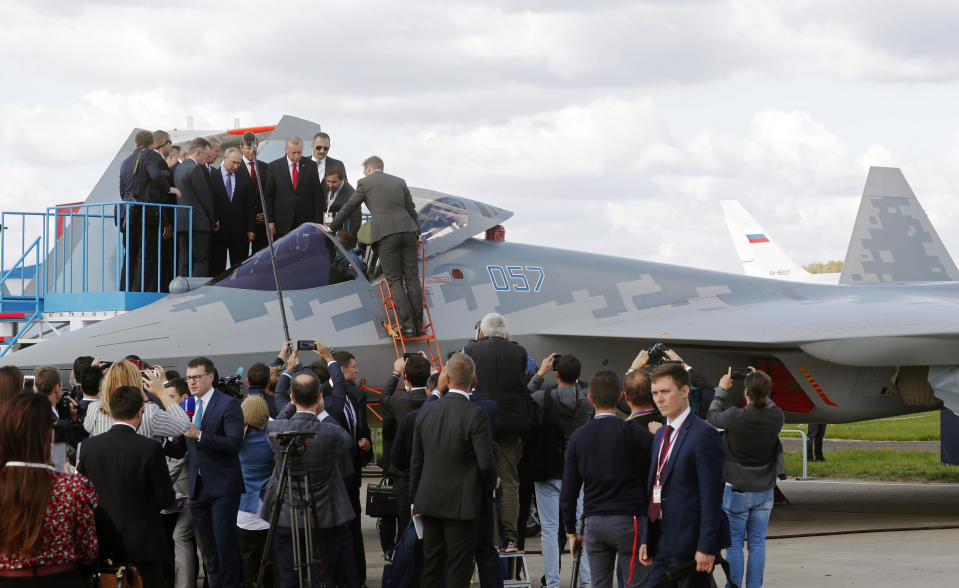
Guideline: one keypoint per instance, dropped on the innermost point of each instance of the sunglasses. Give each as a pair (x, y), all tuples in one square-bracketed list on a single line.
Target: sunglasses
[(321, 148)]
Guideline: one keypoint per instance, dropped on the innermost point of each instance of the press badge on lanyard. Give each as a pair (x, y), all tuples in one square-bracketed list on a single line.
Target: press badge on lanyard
[(658, 486)]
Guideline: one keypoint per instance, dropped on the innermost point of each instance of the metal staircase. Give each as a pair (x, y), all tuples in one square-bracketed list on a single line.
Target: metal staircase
[(392, 323)]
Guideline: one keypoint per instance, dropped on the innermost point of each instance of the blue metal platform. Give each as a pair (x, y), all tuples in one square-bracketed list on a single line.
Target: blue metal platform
[(78, 261)]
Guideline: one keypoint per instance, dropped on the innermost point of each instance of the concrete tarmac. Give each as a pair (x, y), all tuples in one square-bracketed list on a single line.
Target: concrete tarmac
[(833, 533)]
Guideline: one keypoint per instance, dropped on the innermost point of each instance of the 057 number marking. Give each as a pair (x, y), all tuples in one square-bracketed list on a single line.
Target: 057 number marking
[(516, 277)]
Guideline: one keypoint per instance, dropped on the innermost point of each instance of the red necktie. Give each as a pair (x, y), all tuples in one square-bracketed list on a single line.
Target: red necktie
[(655, 508), (296, 176), (253, 171)]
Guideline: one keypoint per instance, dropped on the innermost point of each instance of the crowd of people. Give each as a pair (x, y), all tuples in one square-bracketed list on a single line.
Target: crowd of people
[(221, 218), (172, 473)]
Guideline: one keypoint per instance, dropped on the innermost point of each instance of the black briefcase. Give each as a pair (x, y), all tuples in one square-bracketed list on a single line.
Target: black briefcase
[(381, 499)]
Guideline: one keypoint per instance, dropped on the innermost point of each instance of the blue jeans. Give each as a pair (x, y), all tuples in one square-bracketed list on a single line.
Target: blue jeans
[(547, 505), (748, 514)]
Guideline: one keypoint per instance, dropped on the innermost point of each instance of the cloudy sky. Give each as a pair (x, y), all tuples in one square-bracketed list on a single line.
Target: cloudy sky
[(614, 127)]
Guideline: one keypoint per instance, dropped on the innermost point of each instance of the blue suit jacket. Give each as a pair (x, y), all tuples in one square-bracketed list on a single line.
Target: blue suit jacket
[(216, 454), (692, 497)]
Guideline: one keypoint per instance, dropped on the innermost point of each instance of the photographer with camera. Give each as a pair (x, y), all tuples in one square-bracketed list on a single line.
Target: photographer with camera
[(564, 409), (700, 389), (47, 383), (328, 496), (753, 458)]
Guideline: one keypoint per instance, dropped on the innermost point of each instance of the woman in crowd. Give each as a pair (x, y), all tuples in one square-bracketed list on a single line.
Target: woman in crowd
[(256, 462), (11, 382), (46, 518), (256, 456), (164, 420)]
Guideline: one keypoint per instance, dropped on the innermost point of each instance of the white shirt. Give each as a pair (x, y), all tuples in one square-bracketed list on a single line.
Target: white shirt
[(460, 392), (675, 424), (320, 166), (232, 183), (291, 165), (205, 399), (323, 415)]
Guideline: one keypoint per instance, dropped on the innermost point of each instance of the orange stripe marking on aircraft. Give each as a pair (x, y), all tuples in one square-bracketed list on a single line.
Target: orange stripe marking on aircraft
[(266, 129), (816, 387)]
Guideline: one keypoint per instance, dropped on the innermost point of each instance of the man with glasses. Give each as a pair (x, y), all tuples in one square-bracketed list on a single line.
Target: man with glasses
[(213, 465), (320, 156)]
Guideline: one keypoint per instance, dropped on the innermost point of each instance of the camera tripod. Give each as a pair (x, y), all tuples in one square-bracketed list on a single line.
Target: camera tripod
[(295, 488)]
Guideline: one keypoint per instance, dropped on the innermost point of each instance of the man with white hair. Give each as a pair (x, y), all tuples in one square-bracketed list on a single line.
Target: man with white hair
[(500, 370)]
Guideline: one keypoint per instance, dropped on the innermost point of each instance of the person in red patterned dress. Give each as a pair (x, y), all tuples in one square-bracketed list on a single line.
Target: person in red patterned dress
[(47, 529)]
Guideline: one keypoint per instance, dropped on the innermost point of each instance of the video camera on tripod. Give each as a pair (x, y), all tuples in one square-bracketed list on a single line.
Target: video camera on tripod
[(295, 494)]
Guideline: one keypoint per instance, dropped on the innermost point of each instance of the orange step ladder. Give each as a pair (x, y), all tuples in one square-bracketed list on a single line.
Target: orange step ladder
[(392, 323)]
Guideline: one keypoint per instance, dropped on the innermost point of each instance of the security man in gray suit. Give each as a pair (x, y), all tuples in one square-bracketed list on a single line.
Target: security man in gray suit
[(330, 500), (395, 231), (192, 180), (452, 470)]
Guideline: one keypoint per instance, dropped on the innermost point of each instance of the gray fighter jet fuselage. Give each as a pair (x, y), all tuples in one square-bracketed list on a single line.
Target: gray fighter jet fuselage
[(834, 351)]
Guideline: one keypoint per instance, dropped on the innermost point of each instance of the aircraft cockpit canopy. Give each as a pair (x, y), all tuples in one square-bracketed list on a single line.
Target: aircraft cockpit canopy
[(305, 256)]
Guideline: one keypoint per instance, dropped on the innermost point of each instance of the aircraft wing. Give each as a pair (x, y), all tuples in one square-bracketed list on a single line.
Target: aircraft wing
[(884, 329)]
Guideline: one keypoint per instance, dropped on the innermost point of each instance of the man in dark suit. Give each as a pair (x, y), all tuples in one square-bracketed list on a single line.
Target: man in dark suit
[(686, 519), (233, 197), (164, 148), (320, 156), (216, 481), (133, 485), (402, 453), (141, 180), (294, 194), (452, 471), (192, 179), (396, 404), (339, 193), (348, 406), (395, 231), (256, 173), (488, 566), (329, 497)]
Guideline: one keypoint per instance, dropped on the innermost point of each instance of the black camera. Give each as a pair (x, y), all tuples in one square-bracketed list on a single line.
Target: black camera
[(233, 386), (657, 353), (556, 358), (287, 436), (294, 441), (63, 407), (739, 373)]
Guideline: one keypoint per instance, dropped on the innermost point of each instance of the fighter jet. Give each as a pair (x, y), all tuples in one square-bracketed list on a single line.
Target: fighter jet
[(836, 353)]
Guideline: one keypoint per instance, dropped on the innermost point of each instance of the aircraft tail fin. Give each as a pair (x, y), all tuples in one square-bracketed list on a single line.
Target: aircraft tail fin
[(760, 255), (893, 239)]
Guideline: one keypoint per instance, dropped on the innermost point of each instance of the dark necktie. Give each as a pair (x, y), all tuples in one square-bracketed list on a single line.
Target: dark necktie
[(296, 175), (655, 508), (229, 186), (253, 171)]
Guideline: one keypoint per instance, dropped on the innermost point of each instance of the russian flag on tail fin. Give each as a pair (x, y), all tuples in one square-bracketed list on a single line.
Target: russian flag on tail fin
[(757, 238)]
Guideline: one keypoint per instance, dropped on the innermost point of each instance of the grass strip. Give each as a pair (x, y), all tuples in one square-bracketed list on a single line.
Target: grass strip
[(916, 427), (876, 464)]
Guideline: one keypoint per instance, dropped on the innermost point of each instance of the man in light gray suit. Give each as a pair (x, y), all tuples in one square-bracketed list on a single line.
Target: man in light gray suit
[(395, 231), (330, 500), (192, 180)]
